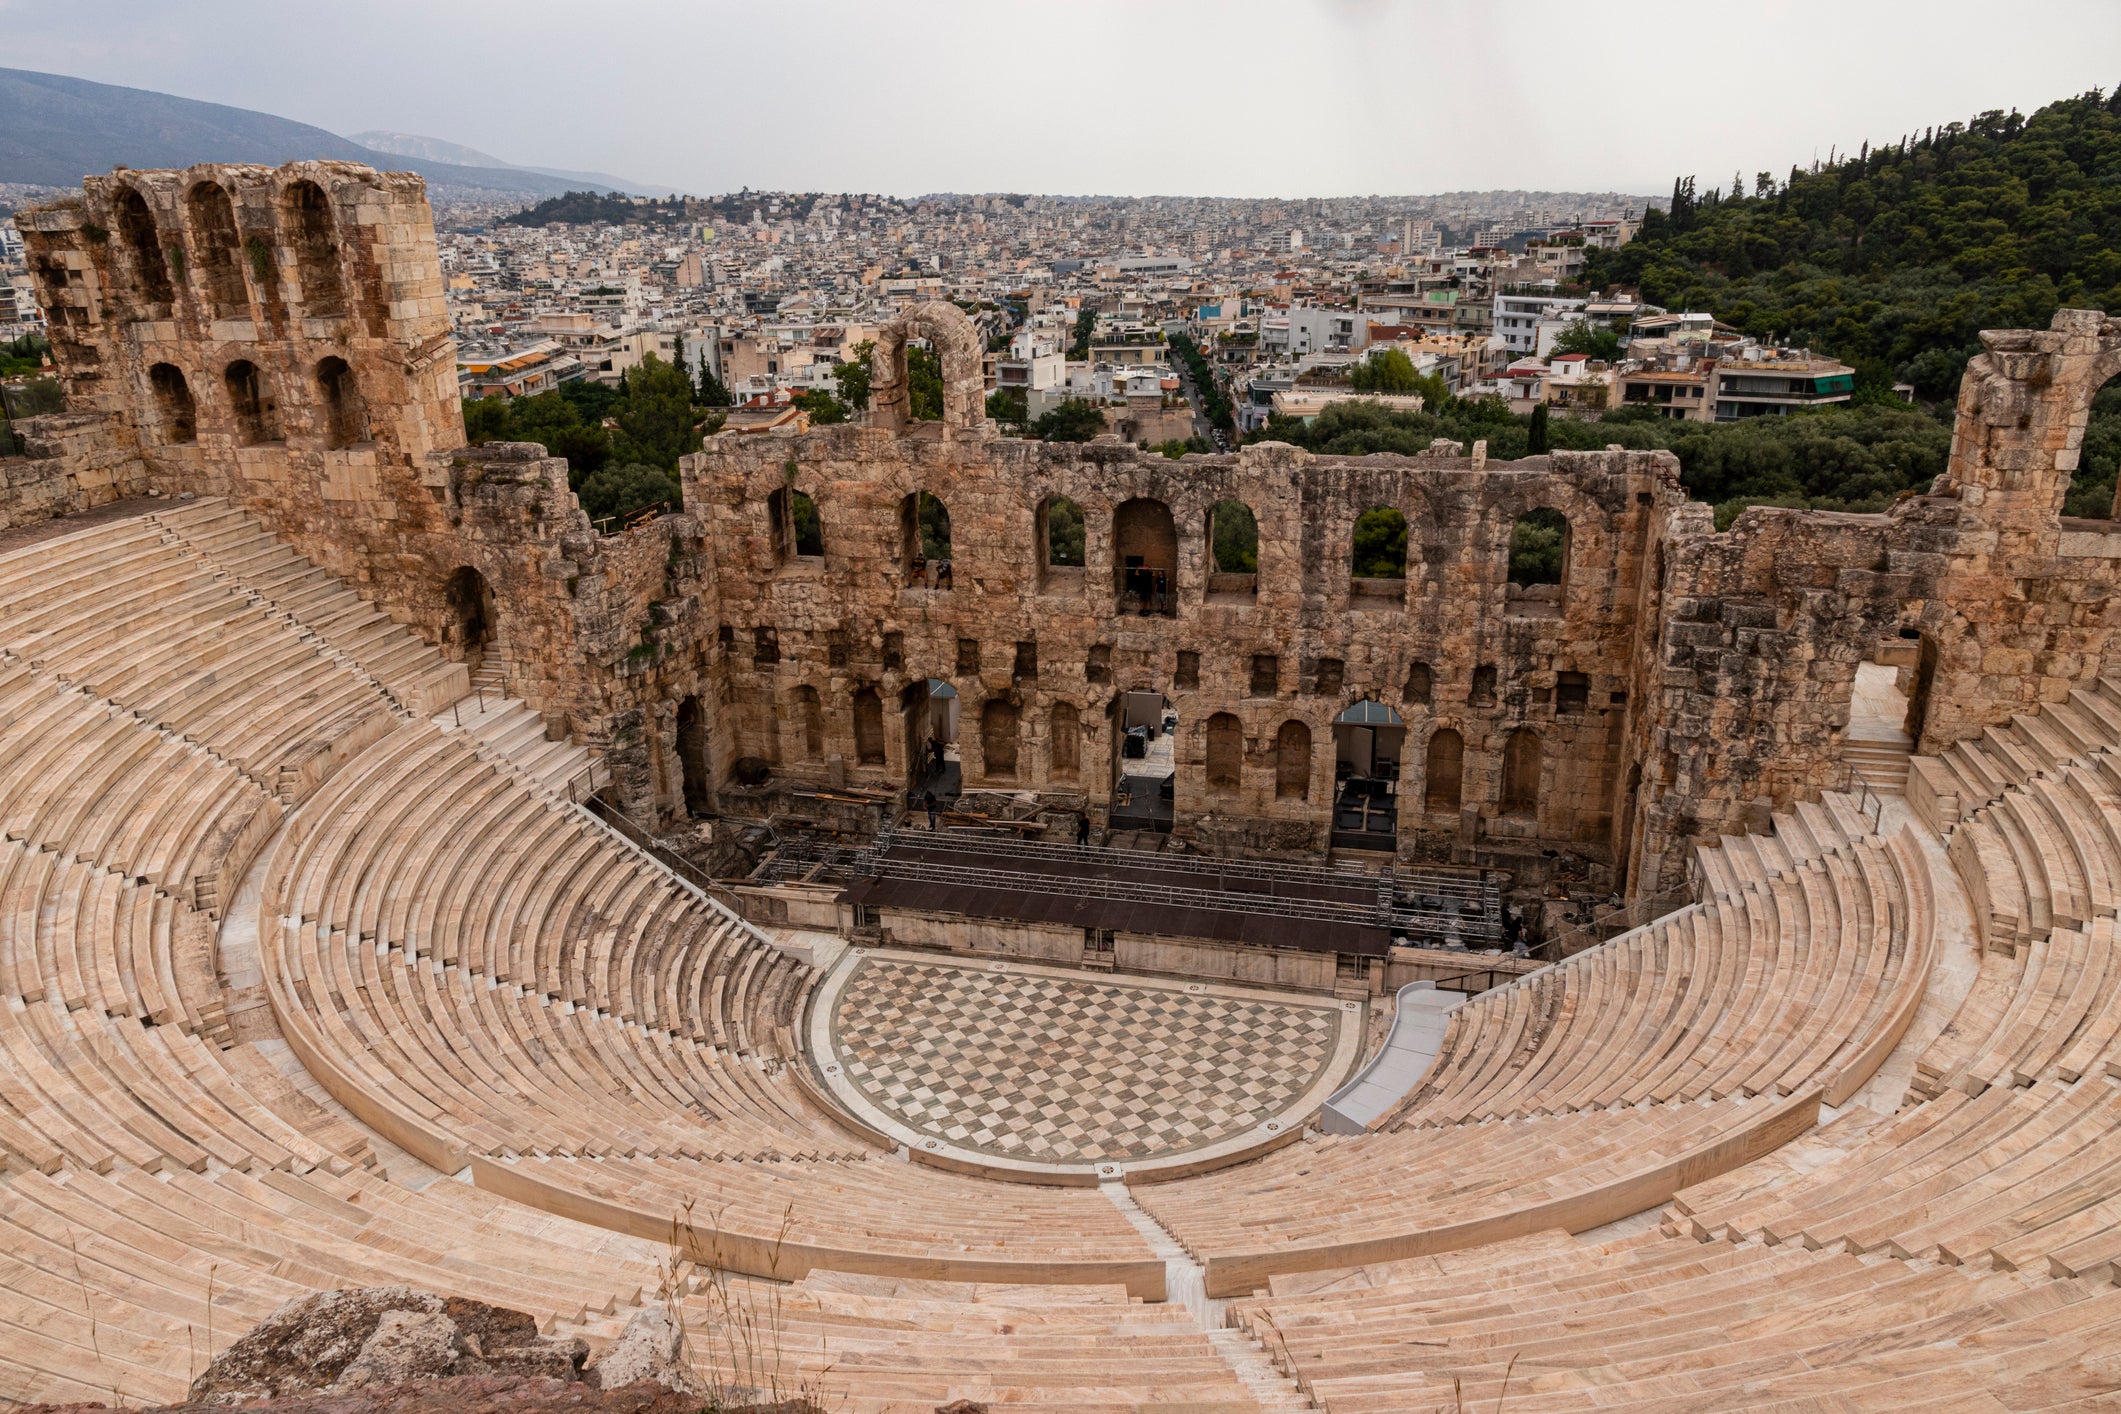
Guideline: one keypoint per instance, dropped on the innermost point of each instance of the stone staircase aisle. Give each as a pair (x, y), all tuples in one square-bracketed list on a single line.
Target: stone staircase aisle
[(509, 730)]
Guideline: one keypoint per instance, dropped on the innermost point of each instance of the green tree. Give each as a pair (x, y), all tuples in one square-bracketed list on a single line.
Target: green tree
[(23, 355), (1073, 421), (1085, 326), (486, 420), (1008, 407), (1380, 544), (1214, 402), (1385, 371), (1581, 336), (824, 409), (924, 384), (1064, 533), (1235, 536), (1538, 543), (710, 391), (618, 491), (853, 376), (655, 420), (1905, 251), (1537, 439)]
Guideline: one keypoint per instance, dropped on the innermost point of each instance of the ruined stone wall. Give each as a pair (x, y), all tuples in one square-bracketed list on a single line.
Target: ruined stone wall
[(1299, 642), (1748, 671), (2024, 605), (72, 462), (279, 336)]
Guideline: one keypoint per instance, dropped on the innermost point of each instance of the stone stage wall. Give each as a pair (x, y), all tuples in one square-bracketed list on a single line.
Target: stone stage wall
[(279, 336)]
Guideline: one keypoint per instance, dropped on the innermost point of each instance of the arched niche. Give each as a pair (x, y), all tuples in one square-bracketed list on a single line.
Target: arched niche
[(252, 407), (1292, 761), (692, 757), (143, 252), (312, 230), (868, 727), (473, 621), (1443, 772), (345, 413), (1225, 754), (217, 249), (1521, 760), (176, 415)]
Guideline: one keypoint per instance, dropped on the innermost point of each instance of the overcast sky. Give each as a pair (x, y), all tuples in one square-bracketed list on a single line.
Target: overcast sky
[(1235, 97)]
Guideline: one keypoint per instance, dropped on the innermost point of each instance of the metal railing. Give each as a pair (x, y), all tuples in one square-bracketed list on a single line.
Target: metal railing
[(1573, 938), (614, 818), (1493, 978), (1127, 891), (632, 520)]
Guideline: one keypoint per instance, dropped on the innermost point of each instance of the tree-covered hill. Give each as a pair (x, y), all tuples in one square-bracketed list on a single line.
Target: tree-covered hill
[(1894, 259)]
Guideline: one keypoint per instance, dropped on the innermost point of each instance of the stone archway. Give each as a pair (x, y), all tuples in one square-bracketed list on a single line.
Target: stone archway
[(473, 621), (958, 349)]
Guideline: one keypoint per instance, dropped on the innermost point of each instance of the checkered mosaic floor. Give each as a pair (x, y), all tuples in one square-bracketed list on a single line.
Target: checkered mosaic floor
[(1065, 1070)]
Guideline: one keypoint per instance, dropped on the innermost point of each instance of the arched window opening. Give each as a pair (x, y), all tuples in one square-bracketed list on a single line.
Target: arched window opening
[(924, 538), (998, 732), (1520, 773), (930, 710), (809, 723), (1064, 737), (1378, 559), (1233, 549), (797, 532), (1420, 690), (472, 621), (1539, 562), (313, 232), (1060, 533), (176, 416), (1367, 741), (250, 400), (692, 757), (1443, 769), (345, 415), (1483, 694), (218, 249), (143, 247), (1292, 762), (1226, 754), (2092, 486), (1145, 554), (868, 727)]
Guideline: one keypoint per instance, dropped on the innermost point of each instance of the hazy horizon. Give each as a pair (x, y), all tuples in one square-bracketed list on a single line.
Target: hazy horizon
[(1240, 99)]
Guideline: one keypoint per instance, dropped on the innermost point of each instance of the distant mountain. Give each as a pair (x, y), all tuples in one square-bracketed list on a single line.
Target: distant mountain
[(55, 129), (434, 149)]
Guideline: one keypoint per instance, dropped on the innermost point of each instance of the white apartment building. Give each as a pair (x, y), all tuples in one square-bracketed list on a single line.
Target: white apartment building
[(1519, 320), (1300, 329)]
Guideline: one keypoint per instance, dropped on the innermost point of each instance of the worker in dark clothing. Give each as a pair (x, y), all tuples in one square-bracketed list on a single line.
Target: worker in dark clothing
[(1082, 830), (928, 804)]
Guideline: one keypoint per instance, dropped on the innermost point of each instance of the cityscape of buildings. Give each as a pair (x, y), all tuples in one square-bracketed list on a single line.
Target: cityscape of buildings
[(1078, 298)]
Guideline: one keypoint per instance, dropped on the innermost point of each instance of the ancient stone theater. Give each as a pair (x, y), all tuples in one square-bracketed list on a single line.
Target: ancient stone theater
[(920, 918)]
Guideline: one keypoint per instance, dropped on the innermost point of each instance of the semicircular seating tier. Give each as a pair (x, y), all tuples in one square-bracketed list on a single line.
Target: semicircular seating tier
[(1598, 1087), (455, 968), (1958, 1252), (176, 689)]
